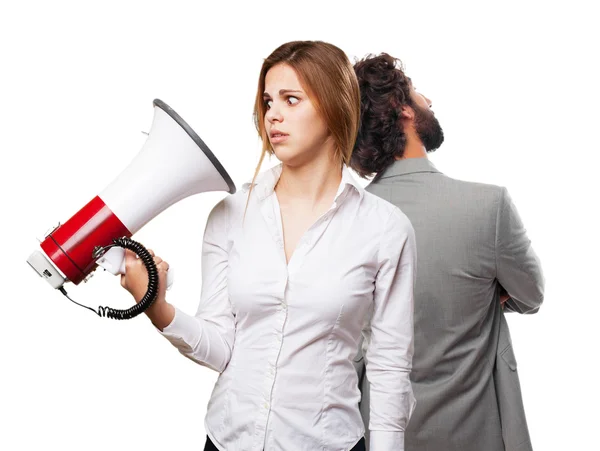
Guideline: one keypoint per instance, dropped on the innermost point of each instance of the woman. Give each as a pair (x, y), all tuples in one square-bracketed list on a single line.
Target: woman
[(294, 266)]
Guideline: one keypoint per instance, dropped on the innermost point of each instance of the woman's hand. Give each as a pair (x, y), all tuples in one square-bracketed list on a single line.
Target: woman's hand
[(135, 280)]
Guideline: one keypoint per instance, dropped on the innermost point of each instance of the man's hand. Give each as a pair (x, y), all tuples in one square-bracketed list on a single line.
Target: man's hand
[(504, 296)]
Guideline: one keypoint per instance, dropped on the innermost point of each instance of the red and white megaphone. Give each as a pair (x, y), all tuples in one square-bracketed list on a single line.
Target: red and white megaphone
[(174, 163)]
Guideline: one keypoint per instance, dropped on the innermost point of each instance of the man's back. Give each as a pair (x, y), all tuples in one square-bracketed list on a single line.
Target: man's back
[(470, 241)]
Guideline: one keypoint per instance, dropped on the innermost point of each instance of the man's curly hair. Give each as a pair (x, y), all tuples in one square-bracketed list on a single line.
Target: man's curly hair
[(384, 90)]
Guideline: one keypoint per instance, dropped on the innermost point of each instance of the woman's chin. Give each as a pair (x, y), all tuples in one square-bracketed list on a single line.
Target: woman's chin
[(286, 155)]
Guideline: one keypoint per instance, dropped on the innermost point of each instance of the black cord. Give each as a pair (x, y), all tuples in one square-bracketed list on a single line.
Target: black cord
[(151, 292), (63, 291)]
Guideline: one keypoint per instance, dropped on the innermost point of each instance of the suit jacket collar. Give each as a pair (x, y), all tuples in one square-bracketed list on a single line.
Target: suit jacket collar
[(409, 166)]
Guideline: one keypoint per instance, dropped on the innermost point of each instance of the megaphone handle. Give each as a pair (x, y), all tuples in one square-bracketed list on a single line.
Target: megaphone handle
[(113, 261), (152, 290)]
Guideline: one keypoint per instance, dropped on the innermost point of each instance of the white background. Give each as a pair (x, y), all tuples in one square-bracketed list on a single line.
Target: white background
[(515, 87)]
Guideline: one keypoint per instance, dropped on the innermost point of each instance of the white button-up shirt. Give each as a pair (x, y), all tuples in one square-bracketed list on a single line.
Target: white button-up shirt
[(284, 335)]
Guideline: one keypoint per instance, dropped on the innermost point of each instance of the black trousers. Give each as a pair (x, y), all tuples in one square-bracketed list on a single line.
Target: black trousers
[(360, 446)]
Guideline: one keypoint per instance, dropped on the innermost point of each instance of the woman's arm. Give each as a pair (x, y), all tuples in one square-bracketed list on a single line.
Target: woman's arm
[(390, 336), (206, 338)]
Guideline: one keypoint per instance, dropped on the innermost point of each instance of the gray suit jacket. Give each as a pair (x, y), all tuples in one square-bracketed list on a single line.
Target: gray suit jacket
[(508, 392), (470, 243)]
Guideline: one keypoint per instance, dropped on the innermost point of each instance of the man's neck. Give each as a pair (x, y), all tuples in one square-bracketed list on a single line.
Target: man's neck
[(414, 150), (414, 147)]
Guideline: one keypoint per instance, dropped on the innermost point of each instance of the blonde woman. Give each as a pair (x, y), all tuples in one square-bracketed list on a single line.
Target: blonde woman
[(294, 267)]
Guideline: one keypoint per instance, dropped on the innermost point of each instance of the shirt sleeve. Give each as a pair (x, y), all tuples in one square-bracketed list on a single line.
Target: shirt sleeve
[(207, 338), (518, 268), (390, 348)]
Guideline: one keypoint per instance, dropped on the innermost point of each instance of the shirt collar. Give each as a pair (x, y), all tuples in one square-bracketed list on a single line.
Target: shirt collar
[(265, 183), (409, 166)]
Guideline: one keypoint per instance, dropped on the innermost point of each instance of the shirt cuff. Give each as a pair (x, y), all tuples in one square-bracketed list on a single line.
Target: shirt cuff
[(386, 441), (184, 332)]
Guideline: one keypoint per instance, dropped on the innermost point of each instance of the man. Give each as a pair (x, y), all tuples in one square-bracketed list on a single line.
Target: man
[(474, 261)]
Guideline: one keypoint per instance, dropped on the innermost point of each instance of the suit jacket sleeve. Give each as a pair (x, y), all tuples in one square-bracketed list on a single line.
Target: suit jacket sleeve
[(518, 268)]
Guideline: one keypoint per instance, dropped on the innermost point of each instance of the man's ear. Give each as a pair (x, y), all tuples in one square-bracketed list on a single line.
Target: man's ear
[(407, 113)]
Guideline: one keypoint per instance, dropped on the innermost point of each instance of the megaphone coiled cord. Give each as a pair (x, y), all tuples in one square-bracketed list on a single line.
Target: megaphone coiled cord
[(151, 292)]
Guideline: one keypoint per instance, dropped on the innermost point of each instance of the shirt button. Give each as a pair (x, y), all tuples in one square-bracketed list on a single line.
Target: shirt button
[(266, 405)]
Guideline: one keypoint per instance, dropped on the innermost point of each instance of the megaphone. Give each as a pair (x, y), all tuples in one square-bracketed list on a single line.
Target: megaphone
[(174, 163)]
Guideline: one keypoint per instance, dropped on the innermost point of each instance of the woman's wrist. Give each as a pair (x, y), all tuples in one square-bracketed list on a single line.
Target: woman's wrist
[(161, 314)]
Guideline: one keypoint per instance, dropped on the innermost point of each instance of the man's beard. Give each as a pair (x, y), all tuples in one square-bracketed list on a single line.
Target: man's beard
[(428, 128)]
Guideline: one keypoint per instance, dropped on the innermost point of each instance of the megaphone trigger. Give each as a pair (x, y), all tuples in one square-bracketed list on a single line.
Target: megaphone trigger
[(113, 261)]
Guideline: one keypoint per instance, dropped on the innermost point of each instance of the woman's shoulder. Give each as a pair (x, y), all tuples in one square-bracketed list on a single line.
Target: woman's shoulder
[(390, 226), (228, 207), (236, 200), (383, 212), (235, 204)]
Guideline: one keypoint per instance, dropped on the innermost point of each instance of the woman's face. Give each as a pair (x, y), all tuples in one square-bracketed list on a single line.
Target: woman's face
[(296, 131)]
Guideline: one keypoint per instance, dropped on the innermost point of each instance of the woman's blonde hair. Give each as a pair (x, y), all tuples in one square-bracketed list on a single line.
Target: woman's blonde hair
[(329, 79)]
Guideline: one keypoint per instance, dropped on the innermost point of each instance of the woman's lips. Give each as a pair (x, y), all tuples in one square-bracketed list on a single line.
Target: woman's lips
[(277, 138)]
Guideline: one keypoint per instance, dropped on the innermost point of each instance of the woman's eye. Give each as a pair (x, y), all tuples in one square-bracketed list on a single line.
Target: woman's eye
[(268, 103), (293, 100)]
